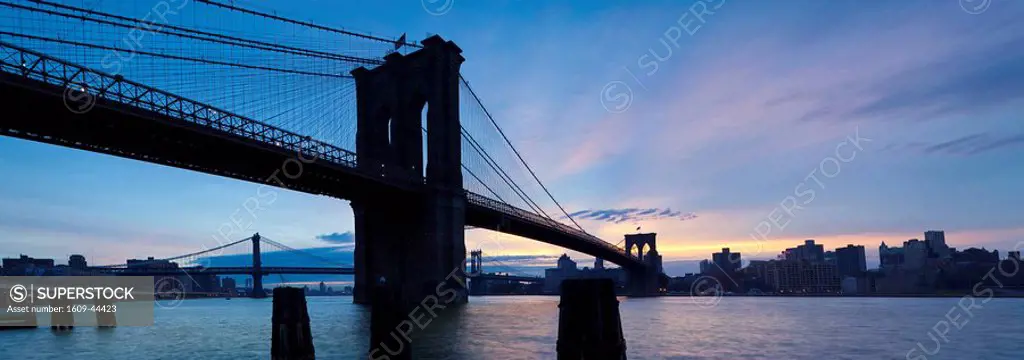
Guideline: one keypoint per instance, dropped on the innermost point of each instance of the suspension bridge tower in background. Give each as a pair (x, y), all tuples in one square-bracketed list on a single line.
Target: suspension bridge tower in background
[(413, 243), (257, 269)]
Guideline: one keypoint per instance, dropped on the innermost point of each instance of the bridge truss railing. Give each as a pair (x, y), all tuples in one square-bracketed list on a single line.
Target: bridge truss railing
[(510, 210), (101, 85)]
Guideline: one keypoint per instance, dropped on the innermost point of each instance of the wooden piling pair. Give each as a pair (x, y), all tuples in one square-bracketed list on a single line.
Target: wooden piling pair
[(63, 316), (589, 325)]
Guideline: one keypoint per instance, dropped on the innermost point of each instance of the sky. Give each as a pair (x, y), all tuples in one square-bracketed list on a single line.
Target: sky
[(755, 124)]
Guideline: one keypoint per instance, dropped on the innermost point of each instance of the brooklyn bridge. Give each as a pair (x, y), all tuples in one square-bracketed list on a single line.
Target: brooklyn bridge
[(388, 124)]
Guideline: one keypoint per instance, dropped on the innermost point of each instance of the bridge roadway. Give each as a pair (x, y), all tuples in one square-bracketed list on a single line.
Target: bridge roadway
[(134, 121)]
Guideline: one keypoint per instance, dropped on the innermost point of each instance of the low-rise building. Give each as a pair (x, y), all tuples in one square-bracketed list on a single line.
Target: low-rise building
[(27, 266)]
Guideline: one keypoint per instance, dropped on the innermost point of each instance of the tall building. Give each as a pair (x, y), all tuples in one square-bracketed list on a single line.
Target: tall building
[(889, 257), (598, 263), (758, 269), (850, 261), (565, 263), (915, 253), (726, 261), (77, 262), (936, 241), (567, 269), (802, 277), (809, 252), (705, 266), (830, 258), (323, 287)]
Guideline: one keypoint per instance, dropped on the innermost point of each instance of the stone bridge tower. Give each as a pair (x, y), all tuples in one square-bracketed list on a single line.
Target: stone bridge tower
[(640, 241), (644, 283), (413, 240)]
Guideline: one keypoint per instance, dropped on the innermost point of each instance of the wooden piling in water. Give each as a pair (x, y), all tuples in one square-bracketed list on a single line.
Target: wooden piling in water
[(64, 319), (589, 326), (291, 338), (105, 316), (385, 314)]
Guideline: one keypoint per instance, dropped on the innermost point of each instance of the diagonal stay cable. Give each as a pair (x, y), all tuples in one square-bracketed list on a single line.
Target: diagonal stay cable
[(531, 173), (185, 255), (300, 252), (501, 173), (174, 57)]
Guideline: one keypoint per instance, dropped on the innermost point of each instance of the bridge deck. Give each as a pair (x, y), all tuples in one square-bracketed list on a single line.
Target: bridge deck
[(138, 122)]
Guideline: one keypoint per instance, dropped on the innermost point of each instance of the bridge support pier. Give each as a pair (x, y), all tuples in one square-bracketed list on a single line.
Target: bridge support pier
[(642, 283), (406, 244), (412, 239)]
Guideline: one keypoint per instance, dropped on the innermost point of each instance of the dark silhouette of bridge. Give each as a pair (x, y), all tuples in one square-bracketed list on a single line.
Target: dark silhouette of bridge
[(427, 154)]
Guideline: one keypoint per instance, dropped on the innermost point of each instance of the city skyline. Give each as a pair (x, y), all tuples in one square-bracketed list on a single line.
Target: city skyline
[(709, 132), (516, 264)]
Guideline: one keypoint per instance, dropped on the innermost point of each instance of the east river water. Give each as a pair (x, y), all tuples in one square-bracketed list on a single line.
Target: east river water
[(509, 327)]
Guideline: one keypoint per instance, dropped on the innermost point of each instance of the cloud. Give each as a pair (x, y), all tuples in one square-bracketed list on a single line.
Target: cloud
[(966, 145), (731, 110), (618, 216), (345, 238)]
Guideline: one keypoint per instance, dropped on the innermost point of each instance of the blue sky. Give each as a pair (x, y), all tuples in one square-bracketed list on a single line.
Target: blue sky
[(728, 125)]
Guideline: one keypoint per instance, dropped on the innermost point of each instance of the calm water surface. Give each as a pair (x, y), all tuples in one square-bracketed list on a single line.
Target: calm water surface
[(526, 328)]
